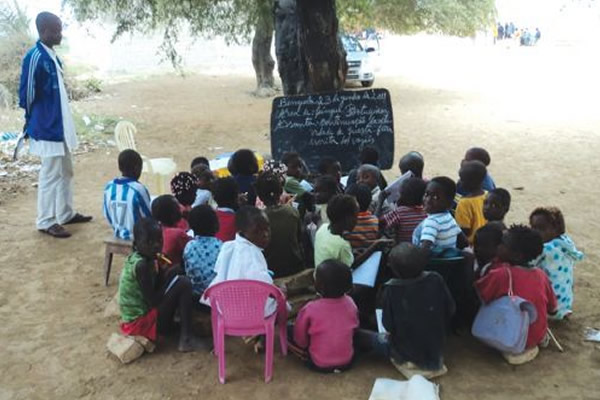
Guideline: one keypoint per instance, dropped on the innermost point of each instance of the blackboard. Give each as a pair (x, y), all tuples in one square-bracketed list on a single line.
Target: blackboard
[(337, 124)]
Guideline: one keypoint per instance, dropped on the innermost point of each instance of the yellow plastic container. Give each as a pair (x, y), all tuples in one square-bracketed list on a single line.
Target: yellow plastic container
[(219, 167)]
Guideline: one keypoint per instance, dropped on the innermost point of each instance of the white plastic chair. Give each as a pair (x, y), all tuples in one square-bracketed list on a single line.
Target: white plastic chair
[(157, 172)]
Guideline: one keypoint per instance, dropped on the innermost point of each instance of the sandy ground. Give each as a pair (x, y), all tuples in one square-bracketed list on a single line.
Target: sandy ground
[(52, 299)]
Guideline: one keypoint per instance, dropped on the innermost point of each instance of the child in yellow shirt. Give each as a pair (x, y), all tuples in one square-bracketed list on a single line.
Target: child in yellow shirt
[(469, 211)]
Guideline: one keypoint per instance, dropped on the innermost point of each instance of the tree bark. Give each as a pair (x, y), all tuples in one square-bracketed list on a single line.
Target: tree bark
[(261, 56), (322, 51), (310, 55), (287, 48)]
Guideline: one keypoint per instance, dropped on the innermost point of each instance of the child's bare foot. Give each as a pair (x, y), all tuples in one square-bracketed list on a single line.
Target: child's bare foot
[(192, 344), (259, 346)]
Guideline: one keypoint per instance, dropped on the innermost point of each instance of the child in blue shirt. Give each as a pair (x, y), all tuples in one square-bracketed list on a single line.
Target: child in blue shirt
[(125, 199), (439, 232), (559, 256), (200, 254)]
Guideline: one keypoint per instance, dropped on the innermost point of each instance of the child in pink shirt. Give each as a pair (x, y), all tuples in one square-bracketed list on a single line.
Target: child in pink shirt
[(165, 209), (325, 327)]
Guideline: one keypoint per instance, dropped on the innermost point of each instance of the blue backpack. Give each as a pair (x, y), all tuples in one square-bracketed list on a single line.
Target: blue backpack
[(504, 323)]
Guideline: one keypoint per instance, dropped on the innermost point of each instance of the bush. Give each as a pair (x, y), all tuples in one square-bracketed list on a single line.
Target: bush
[(15, 40)]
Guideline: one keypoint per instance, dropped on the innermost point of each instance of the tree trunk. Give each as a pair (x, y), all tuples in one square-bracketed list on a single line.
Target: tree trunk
[(261, 56), (322, 51), (309, 53), (287, 48)]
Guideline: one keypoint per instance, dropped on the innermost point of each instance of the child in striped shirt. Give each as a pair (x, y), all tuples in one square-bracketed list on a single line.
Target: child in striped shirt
[(439, 231), (366, 230), (409, 213), (125, 199)]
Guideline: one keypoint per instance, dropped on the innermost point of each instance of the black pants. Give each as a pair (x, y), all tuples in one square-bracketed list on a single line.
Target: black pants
[(179, 296)]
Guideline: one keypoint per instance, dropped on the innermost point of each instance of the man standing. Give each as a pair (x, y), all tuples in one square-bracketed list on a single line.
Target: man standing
[(49, 124)]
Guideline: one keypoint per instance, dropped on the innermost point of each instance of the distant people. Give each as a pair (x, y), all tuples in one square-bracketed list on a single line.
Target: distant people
[(500, 31), (50, 127), (538, 35)]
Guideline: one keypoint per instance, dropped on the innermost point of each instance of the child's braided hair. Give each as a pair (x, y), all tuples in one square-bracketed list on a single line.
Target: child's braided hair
[(269, 188), (554, 216)]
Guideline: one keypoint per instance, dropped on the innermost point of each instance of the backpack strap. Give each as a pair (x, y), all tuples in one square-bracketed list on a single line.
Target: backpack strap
[(510, 283)]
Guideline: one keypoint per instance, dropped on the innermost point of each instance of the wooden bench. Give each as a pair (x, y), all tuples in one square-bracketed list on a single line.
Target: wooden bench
[(114, 246)]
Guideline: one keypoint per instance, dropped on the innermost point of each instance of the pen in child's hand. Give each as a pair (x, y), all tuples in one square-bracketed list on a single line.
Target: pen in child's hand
[(163, 258)]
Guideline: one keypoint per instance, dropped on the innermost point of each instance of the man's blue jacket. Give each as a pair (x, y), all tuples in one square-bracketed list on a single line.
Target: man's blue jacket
[(39, 95)]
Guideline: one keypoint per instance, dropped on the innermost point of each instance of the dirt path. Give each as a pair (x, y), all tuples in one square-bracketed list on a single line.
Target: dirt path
[(52, 300)]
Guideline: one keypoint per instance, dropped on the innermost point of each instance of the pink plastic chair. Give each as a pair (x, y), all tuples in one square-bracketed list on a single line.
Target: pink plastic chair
[(238, 309)]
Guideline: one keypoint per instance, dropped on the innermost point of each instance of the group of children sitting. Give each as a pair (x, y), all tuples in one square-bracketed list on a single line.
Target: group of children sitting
[(306, 233)]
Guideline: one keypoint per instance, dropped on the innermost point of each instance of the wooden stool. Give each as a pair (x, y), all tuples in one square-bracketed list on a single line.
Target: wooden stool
[(114, 246)]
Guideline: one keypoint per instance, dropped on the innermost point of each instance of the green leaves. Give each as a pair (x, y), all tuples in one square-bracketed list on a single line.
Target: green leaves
[(453, 17), (15, 39), (235, 19)]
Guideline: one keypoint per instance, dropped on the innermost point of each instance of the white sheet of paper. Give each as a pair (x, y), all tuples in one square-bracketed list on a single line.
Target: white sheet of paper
[(592, 335), (416, 388), (366, 273), (344, 181), (394, 188)]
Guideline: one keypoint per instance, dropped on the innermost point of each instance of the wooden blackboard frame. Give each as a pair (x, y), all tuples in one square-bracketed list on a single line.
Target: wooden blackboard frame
[(337, 124)]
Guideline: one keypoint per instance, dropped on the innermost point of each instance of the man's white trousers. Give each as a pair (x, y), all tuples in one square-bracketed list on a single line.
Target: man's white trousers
[(55, 191)]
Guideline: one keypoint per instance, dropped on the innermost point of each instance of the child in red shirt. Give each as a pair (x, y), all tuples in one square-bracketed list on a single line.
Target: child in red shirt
[(520, 246), (165, 209), (325, 327), (225, 193)]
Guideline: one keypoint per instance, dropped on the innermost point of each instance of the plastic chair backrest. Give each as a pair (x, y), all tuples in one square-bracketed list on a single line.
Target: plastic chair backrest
[(241, 303), (125, 135)]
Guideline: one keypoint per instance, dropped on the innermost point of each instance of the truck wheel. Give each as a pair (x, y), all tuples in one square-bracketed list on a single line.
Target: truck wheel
[(367, 83)]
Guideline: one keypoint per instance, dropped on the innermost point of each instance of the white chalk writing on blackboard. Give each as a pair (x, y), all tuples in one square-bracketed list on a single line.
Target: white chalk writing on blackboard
[(351, 119)]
